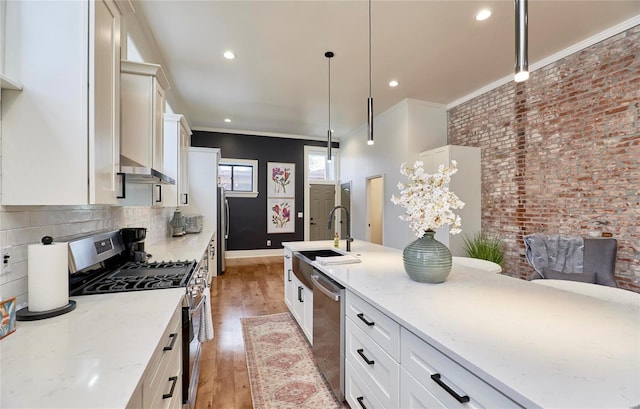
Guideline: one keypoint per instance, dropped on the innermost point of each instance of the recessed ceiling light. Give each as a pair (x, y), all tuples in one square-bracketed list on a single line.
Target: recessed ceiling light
[(229, 55), (393, 83), (483, 14), (227, 119)]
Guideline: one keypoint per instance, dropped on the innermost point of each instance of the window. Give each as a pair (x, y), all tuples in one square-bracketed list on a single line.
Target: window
[(317, 166), (239, 177)]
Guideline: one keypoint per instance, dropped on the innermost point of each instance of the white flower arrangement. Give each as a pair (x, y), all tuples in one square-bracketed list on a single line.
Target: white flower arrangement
[(427, 198)]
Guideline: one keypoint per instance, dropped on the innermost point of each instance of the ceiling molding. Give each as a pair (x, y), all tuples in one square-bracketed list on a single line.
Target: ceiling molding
[(260, 133), (610, 32)]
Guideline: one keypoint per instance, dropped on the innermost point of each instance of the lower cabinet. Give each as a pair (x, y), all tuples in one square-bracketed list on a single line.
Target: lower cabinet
[(387, 366), (298, 298), (289, 288), (161, 384), (443, 380)]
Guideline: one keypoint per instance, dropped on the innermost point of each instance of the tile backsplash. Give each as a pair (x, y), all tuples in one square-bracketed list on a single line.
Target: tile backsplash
[(24, 225)]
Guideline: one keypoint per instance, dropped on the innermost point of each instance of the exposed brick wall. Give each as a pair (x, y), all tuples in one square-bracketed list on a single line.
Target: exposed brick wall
[(561, 152)]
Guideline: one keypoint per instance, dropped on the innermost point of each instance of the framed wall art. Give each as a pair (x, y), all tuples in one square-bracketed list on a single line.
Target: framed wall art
[(281, 179), (280, 215)]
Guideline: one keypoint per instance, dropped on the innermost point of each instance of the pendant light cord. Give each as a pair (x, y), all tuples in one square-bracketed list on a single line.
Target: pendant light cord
[(369, 48), (329, 93)]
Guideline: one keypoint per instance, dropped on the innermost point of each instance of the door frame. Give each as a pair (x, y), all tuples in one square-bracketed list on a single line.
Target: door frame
[(367, 184), (307, 191)]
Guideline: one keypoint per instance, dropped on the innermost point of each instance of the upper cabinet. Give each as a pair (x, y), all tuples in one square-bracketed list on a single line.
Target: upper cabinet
[(61, 133), (465, 184), (143, 105), (177, 139)]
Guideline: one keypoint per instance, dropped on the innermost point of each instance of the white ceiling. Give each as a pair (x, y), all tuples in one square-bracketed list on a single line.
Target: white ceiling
[(279, 84)]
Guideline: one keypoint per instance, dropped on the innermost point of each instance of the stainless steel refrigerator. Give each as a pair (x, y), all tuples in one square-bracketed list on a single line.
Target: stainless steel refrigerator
[(222, 232)]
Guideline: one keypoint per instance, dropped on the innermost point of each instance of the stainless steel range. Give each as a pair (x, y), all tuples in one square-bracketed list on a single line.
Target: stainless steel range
[(102, 263)]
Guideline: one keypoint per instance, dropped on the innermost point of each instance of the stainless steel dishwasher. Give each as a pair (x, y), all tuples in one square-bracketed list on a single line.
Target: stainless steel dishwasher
[(328, 330)]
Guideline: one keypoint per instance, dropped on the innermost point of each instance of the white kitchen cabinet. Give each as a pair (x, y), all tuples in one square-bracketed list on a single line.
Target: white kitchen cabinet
[(372, 349), (162, 379), (441, 379), (289, 288), (177, 139), (303, 308), (143, 105), (298, 298), (388, 366), (61, 133), (466, 184)]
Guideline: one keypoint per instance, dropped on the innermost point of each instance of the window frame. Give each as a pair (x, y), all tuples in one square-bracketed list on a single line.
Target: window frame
[(253, 164)]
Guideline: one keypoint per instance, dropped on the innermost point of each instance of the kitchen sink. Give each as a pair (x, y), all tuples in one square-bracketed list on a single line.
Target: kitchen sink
[(312, 254), (302, 260)]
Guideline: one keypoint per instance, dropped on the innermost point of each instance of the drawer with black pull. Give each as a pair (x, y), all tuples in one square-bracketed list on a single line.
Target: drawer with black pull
[(446, 380), (379, 371), (377, 325)]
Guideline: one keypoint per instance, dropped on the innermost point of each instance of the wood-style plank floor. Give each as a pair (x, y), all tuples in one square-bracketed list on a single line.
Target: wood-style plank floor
[(249, 287)]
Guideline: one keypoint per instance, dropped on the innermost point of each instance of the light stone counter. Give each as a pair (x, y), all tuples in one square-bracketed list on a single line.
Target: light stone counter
[(541, 346), (91, 357), (188, 247)]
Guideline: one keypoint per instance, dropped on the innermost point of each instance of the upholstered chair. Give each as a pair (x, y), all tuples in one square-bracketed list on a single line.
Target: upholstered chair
[(589, 260)]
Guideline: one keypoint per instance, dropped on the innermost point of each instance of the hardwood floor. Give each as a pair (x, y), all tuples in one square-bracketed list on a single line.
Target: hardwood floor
[(249, 287)]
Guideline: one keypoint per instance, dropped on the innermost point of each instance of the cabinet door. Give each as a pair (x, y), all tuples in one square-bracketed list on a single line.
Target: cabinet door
[(104, 102), (289, 288), (298, 302), (183, 166), (157, 144)]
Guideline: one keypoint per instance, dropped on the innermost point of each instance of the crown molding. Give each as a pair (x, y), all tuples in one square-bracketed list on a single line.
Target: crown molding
[(260, 133)]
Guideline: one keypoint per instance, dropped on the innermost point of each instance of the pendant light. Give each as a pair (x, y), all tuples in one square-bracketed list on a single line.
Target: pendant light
[(329, 55), (370, 99), (522, 63)]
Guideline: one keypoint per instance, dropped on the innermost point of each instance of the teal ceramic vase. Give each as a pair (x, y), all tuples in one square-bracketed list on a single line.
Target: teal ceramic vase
[(427, 260)]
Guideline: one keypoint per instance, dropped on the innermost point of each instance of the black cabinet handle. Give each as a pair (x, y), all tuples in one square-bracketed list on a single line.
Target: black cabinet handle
[(369, 323), (300, 294), (159, 199), (186, 198), (173, 379), (289, 275), (437, 379), (360, 399), (367, 360), (124, 191), (173, 337)]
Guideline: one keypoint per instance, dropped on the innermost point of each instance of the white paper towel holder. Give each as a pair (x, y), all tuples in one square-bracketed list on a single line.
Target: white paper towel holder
[(24, 314)]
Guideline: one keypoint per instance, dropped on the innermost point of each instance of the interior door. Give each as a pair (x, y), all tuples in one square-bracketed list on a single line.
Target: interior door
[(322, 200), (375, 203)]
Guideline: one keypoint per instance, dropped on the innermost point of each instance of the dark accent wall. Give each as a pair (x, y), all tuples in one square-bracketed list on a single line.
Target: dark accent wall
[(248, 216)]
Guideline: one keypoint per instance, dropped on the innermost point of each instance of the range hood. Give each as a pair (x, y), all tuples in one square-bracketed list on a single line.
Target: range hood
[(136, 173)]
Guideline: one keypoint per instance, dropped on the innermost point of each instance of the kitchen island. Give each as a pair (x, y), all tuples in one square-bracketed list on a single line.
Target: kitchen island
[(536, 345)]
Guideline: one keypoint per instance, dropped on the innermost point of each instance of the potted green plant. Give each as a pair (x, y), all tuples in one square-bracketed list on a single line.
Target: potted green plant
[(485, 247)]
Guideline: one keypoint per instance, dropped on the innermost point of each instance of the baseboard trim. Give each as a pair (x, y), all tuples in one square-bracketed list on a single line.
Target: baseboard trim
[(254, 253)]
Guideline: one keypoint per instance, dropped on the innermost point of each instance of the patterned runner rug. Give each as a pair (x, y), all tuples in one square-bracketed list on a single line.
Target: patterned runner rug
[(282, 373)]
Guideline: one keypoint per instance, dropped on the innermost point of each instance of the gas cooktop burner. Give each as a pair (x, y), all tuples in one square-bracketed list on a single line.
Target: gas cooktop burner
[(136, 276)]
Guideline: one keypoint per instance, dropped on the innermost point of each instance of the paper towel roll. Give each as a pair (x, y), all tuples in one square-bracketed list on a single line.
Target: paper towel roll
[(48, 276)]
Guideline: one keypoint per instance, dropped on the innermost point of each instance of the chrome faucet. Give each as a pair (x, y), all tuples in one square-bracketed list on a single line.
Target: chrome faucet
[(349, 239)]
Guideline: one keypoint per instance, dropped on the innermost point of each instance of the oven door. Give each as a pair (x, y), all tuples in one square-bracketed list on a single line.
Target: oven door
[(191, 348)]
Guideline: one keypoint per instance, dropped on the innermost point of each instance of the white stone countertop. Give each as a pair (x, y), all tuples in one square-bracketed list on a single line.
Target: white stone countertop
[(91, 357), (188, 247), (541, 346)]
